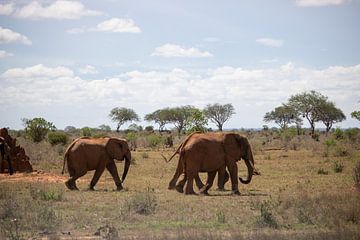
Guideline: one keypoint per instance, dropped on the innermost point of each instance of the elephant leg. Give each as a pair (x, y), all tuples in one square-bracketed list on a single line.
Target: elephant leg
[(71, 182), (223, 177), (209, 183), (198, 182), (180, 186), (233, 169), (190, 183), (96, 177), (111, 167), (179, 170)]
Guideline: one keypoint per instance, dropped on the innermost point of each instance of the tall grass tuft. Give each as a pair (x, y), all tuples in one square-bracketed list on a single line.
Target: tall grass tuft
[(143, 203)]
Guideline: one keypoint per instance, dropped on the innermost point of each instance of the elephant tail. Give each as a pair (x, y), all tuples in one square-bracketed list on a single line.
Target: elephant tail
[(178, 150)]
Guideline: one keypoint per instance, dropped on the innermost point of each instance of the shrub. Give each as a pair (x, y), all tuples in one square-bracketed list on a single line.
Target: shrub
[(338, 166), (352, 133), (338, 133), (86, 131), (154, 140), (356, 175), (37, 128), (144, 203), (57, 138), (341, 151), (266, 218), (46, 193)]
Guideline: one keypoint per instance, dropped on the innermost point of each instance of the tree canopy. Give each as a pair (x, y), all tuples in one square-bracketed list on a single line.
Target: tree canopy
[(330, 114), (283, 116), (37, 128), (161, 117), (123, 115), (356, 115), (219, 114)]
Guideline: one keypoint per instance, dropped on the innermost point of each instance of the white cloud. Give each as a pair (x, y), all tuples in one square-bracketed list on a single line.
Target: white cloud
[(251, 91), (6, 9), (88, 70), (116, 25), (319, 3), (37, 72), (56, 10), (270, 42), (9, 36), (173, 50), (4, 54)]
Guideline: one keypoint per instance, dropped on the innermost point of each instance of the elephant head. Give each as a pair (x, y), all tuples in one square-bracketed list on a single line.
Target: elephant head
[(246, 154), (118, 149)]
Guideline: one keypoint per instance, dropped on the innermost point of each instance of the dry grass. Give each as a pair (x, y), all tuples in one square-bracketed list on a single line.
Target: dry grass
[(289, 200)]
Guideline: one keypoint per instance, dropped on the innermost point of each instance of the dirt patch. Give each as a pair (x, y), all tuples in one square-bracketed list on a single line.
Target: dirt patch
[(37, 176)]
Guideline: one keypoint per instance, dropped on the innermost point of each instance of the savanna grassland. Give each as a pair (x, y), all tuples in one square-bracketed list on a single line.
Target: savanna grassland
[(307, 190)]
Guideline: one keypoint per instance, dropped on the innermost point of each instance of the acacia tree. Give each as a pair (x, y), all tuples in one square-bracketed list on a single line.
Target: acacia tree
[(181, 116), (37, 128), (197, 121), (308, 104), (330, 114), (356, 115), (283, 116), (219, 114), (161, 117), (122, 115)]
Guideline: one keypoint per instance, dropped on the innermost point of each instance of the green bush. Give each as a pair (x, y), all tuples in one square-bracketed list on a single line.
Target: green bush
[(338, 133), (352, 133), (266, 218), (46, 193), (338, 166), (57, 138), (154, 140), (86, 132), (144, 203), (37, 128)]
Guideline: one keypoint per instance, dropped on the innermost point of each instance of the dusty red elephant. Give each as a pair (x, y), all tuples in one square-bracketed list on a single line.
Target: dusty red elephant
[(212, 152), (86, 154)]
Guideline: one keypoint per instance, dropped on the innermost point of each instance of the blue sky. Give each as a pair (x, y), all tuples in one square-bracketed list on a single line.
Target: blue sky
[(71, 62)]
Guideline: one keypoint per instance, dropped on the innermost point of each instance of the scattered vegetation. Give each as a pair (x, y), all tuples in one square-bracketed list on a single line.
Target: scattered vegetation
[(144, 203), (37, 128), (55, 138)]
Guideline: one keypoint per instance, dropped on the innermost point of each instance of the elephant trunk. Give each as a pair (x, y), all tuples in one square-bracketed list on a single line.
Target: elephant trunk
[(249, 163), (127, 165)]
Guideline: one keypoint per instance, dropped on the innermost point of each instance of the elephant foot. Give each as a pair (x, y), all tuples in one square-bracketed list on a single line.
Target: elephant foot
[(180, 189), (70, 186), (221, 189), (236, 192), (204, 193)]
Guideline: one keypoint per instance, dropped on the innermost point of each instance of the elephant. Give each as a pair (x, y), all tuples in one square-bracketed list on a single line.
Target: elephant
[(223, 177), (86, 154), (211, 152), (5, 155)]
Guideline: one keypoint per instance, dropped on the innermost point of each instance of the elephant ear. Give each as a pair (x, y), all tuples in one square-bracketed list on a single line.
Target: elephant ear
[(116, 148), (231, 146), (243, 144)]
